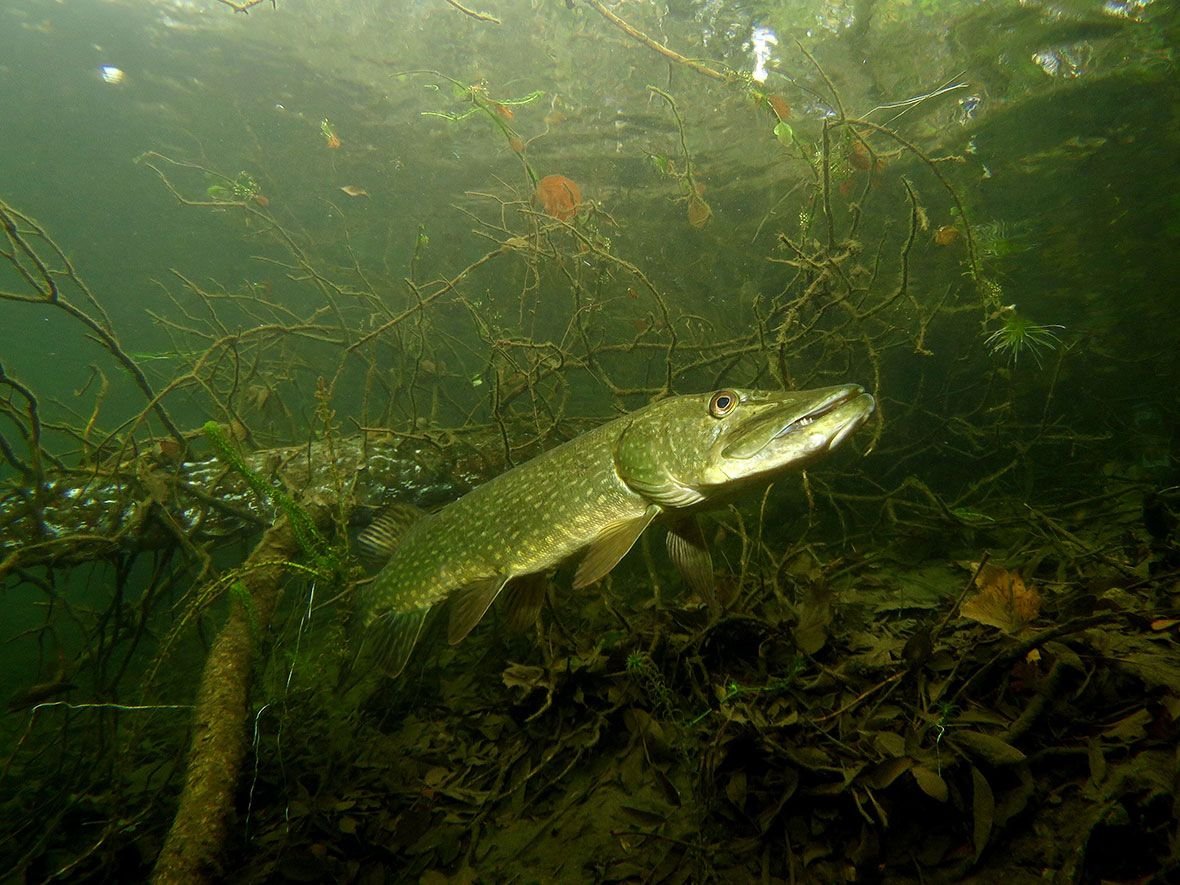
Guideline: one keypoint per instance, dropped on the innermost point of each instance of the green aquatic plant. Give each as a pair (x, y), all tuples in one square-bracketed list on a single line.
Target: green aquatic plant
[(1018, 335), (240, 593), (141, 356), (309, 538), (990, 291), (650, 680), (480, 99), (328, 130), (500, 111), (246, 187), (734, 690), (243, 188), (699, 211), (1000, 239)]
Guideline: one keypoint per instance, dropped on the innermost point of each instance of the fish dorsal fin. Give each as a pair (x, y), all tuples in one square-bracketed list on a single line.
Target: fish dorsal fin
[(392, 638), (610, 546), (380, 538), (470, 603), (689, 552), (523, 598)]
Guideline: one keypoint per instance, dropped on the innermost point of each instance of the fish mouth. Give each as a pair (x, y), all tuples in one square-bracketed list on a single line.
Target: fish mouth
[(841, 412), (805, 425)]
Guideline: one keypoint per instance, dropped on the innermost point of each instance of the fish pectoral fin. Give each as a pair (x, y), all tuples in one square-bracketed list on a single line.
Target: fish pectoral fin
[(523, 599), (470, 603), (610, 546), (689, 552), (392, 637)]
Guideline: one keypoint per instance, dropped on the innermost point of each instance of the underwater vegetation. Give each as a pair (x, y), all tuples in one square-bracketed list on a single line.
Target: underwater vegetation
[(1000, 239), (328, 131), (1019, 335), (242, 188)]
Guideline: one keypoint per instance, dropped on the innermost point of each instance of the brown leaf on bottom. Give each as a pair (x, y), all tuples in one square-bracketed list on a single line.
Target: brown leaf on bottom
[(1002, 601)]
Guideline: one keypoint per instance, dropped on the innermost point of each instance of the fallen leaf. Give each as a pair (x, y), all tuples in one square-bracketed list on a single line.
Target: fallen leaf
[(884, 773), (931, 783), (735, 790), (987, 747), (1130, 728), (158, 484), (170, 450), (354, 190), (815, 616), (983, 808), (699, 212), (1002, 601), (523, 676), (779, 105)]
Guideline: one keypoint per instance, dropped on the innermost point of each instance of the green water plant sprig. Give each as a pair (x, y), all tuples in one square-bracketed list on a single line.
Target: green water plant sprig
[(642, 669), (699, 212), (734, 690), (311, 541), (499, 111), (1018, 335)]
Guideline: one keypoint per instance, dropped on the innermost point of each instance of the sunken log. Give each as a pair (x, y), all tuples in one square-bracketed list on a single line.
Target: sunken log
[(193, 849), (148, 504)]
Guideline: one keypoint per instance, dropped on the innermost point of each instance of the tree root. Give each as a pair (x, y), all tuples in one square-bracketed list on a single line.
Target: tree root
[(193, 848)]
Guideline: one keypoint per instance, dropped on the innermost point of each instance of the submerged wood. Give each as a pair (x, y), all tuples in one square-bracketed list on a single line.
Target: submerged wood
[(192, 852), (148, 505), (385, 469)]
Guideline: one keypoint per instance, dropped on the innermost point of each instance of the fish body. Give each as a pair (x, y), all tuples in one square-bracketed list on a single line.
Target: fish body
[(595, 495)]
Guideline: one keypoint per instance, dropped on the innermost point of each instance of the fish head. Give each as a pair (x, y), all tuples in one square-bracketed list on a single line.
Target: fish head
[(691, 450)]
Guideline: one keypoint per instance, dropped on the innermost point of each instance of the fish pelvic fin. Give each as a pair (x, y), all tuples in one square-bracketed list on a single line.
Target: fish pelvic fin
[(523, 598), (391, 638), (470, 603), (610, 546), (689, 552)]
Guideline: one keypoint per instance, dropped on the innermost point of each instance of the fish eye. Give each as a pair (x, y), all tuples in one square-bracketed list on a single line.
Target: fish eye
[(722, 403)]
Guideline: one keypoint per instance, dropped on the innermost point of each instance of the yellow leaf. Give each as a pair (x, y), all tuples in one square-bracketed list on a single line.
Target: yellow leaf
[(1002, 600)]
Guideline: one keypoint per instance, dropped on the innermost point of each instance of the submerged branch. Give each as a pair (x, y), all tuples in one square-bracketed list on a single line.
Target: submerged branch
[(193, 850), (21, 231), (651, 43), (478, 16)]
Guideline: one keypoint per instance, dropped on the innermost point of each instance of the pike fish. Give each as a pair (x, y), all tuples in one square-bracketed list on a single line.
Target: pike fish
[(595, 495)]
